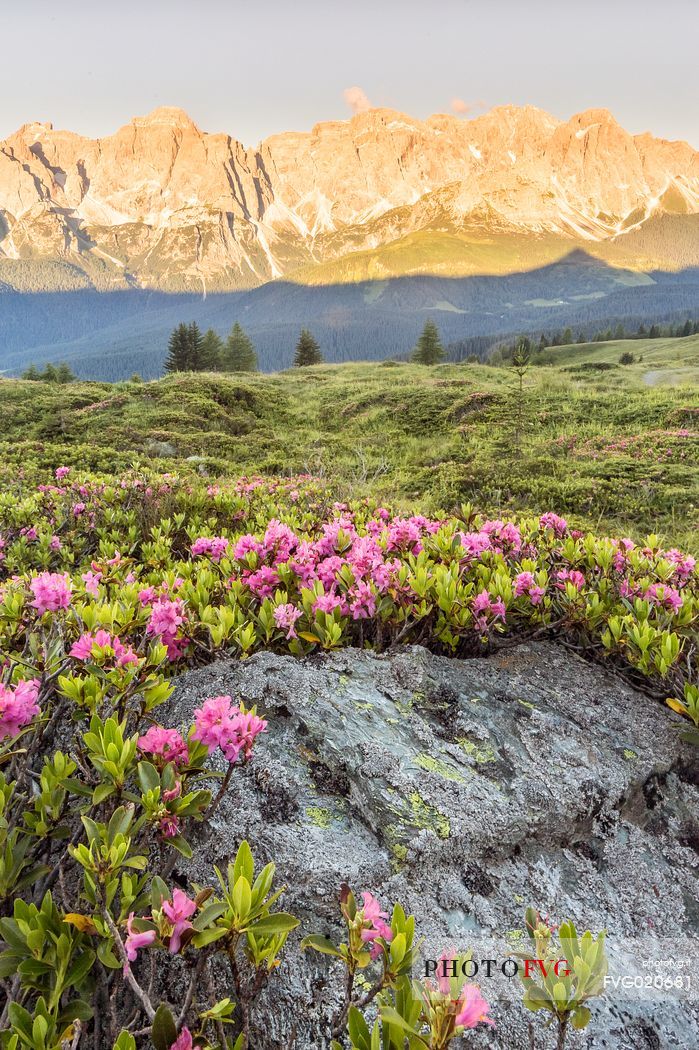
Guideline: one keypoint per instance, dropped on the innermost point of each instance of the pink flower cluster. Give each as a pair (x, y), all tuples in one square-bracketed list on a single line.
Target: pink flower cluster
[(325, 560), (525, 584), (179, 911), (285, 616), (165, 745), (471, 1007), (664, 597), (485, 609), (166, 617), (52, 591), (18, 706), (552, 521), (213, 546), (219, 723), (177, 914), (376, 925), (135, 940), (84, 648)]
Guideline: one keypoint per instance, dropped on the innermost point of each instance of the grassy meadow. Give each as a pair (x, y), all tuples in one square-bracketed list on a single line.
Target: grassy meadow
[(613, 447)]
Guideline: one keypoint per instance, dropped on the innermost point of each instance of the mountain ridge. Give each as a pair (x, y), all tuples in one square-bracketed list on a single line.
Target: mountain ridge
[(161, 204)]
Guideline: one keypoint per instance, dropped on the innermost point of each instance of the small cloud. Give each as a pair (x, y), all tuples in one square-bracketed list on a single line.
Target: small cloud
[(460, 107), (356, 99)]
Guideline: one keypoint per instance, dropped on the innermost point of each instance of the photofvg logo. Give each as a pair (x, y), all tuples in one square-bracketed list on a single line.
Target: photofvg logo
[(649, 969), (472, 969)]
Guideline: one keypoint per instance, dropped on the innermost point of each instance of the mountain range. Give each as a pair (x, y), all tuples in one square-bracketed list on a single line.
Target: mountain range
[(513, 219)]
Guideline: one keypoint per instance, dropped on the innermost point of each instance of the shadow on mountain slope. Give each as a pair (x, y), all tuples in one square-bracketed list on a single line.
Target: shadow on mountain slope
[(109, 335)]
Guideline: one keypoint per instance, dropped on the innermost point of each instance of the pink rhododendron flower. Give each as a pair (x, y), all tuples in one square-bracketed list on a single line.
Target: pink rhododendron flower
[(18, 706), (475, 543), (473, 1008), (62, 472), (183, 1041), (173, 793), (165, 619), (571, 576), (684, 564), (362, 601), (665, 597), (55, 543), (241, 734), (327, 603), (285, 616), (327, 569), (135, 941), (52, 591), (169, 825), (279, 541), (83, 648), (378, 927), (214, 546), (503, 534), (485, 606), (179, 910), (443, 972), (404, 534), (524, 584), (245, 545), (212, 719), (91, 581), (263, 582), (552, 521), (219, 723), (166, 745)]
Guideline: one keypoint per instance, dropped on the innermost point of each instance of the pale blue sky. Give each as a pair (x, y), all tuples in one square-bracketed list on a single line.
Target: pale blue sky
[(252, 69)]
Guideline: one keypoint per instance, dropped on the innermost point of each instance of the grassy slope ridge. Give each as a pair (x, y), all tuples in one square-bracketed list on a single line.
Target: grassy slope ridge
[(617, 449)]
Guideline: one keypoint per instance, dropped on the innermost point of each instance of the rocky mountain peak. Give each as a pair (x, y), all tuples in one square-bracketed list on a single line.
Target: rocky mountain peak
[(167, 205), (168, 116)]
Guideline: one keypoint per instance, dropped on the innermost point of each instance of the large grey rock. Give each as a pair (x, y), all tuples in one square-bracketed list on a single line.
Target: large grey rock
[(466, 789)]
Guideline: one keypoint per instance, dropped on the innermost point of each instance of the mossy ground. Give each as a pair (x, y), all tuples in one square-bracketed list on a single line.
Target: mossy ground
[(616, 450)]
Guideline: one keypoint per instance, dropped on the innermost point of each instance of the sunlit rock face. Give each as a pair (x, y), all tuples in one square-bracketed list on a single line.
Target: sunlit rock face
[(162, 203)]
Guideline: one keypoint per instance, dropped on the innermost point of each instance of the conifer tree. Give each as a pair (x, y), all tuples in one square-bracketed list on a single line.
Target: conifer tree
[(211, 351), (194, 348), (185, 349), (307, 350), (239, 352), (178, 350), (429, 349), (32, 373), (64, 373)]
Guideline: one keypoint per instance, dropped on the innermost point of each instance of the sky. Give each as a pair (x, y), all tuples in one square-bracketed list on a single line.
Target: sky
[(254, 69)]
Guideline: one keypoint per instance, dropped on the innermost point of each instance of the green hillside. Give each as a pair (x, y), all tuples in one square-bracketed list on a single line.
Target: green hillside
[(656, 361), (611, 446)]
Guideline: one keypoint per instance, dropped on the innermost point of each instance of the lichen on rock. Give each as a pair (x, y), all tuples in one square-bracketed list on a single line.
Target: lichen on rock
[(465, 813)]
